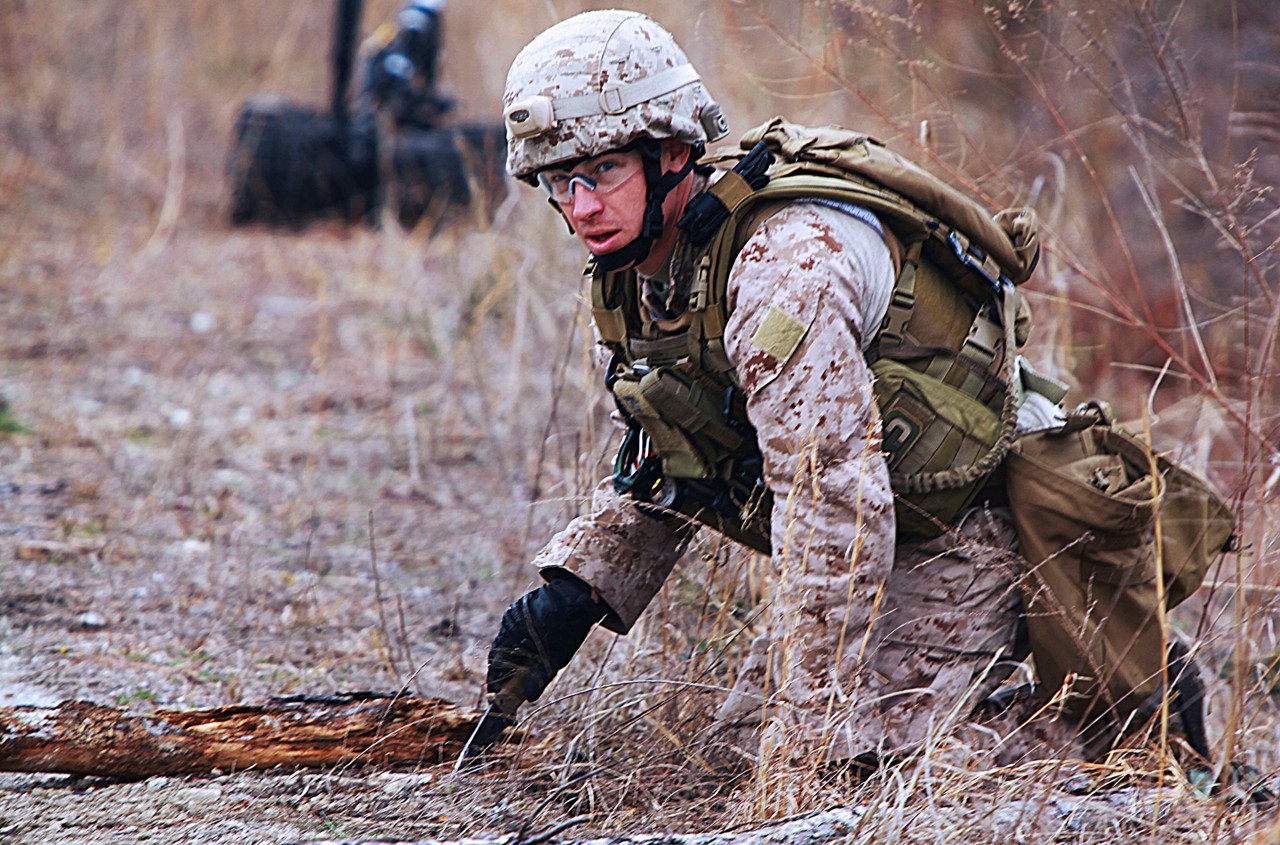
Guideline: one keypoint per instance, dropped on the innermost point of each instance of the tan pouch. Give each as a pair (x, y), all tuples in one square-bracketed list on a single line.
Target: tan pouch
[(929, 426), (685, 423), (1086, 507)]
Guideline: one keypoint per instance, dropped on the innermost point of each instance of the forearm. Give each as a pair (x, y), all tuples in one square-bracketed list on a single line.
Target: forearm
[(623, 554)]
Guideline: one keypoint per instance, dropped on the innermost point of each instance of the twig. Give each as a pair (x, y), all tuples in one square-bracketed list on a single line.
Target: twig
[(411, 434), (382, 613), (405, 648), (553, 831)]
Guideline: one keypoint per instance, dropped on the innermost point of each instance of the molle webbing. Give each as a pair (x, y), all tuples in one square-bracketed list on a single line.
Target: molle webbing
[(964, 475), (939, 276)]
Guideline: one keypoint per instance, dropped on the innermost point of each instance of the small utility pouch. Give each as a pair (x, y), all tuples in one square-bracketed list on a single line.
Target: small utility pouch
[(930, 427), (1088, 501), (688, 425)]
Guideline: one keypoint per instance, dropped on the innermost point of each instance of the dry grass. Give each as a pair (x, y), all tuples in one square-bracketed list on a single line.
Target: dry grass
[(433, 399)]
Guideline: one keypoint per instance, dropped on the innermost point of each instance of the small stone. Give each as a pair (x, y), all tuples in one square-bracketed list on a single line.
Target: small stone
[(402, 785), (202, 322), (1078, 785), (195, 548), (199, 796), (90, 620), (287, 379)]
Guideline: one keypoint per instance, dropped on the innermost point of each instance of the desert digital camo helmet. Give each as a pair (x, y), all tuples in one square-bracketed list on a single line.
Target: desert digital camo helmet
[(604, 81)]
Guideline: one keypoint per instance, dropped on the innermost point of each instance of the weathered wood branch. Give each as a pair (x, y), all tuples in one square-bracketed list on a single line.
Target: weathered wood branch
[(360, 729)]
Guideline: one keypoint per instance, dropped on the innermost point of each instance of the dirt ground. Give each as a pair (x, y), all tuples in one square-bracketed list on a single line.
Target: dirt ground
[(257, 463), (234, 486)]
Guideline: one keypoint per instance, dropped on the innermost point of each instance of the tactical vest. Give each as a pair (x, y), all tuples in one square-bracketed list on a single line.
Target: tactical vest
[(947, 381)]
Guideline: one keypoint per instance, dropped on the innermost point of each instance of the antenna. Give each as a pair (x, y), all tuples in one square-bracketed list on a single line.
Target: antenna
[(344, 49)]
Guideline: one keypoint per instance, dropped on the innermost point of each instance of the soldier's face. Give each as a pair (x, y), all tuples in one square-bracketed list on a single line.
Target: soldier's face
[(603, 219), (610, 217)]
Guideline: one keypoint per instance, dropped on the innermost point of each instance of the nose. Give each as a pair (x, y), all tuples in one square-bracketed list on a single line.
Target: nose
[(584, 203)]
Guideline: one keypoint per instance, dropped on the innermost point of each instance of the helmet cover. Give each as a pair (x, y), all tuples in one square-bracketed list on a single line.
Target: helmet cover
[(597, 82)]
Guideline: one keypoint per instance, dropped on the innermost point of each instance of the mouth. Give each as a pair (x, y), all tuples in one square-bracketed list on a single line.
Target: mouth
[(600, 242)]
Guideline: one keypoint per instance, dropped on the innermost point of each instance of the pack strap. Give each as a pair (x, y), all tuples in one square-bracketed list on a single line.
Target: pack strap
[(893, 330), (969, 369), (706, 331), (707, 211)]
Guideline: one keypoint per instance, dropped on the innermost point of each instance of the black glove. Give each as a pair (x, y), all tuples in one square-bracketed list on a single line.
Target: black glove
[(539, 635)]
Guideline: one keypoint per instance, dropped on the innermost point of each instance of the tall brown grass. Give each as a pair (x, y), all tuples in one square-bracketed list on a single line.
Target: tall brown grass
[(1145, 134)]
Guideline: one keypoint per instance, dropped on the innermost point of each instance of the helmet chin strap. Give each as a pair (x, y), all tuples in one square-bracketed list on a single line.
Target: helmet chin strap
[(658, 185)]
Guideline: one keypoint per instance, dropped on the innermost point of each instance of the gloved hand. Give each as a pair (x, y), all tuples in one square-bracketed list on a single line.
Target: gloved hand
[(539, 634)]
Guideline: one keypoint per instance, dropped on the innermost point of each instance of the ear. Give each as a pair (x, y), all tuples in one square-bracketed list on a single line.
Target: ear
[(674, 154)]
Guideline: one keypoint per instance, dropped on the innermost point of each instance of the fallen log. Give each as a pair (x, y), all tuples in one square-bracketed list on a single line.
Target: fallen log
[(351, 729)]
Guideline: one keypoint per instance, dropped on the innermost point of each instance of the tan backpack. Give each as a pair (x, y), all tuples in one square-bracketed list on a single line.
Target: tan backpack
[(1094, 507)]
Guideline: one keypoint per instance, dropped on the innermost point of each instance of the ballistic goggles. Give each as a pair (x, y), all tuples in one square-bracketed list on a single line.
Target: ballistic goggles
[(602, 174)]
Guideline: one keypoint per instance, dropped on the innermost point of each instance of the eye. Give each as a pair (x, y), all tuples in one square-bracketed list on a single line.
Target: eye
[(604, 167), (558, 178)]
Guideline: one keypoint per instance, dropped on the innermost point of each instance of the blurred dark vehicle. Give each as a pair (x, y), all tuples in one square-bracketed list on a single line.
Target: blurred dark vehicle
[(291, 164)]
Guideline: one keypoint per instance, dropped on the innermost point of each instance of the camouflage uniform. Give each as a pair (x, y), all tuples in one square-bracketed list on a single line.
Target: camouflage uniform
[(865, 647)]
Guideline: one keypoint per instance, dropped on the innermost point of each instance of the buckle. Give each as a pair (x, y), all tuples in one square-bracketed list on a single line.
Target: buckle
[(902, 298), (611, 99)]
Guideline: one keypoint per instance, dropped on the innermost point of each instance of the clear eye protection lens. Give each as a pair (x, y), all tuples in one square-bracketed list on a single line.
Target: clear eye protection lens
[(599, 175)]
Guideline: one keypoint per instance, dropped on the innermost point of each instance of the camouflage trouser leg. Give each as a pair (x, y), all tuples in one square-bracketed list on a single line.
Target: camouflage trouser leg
[(943, 628), (619, 552)]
